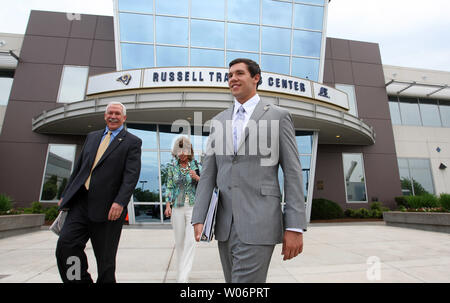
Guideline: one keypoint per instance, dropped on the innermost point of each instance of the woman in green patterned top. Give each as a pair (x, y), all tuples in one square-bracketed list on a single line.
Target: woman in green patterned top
[(182, 178)]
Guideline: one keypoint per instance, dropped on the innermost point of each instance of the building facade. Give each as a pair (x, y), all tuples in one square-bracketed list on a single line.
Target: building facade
[(167, 61)]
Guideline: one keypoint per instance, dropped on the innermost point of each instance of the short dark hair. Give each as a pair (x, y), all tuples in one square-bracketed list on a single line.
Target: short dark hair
[(252, 67)]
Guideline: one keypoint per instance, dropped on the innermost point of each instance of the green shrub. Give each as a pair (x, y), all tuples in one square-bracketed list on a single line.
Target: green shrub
[(349, 212), (36, 208), (401, 201), (51, 213), (5, 202), (323, 209), (425, 200), (444, 201), (363, 213)]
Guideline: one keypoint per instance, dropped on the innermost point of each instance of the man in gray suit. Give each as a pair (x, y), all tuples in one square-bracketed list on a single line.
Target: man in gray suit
[(240, 163)]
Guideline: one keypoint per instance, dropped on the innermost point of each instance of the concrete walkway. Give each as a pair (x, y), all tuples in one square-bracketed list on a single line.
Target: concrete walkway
[(344, 252)]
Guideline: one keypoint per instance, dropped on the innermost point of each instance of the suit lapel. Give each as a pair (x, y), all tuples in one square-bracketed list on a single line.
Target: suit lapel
[(113, 145)]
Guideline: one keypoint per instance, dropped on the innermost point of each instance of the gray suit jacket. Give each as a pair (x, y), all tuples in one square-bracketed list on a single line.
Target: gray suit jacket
[(248, 181)]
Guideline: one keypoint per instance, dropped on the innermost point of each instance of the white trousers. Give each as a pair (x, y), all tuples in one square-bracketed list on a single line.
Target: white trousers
[(184, 241)]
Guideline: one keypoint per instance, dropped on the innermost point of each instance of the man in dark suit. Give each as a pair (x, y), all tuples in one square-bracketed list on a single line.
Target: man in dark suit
[(97, 196)]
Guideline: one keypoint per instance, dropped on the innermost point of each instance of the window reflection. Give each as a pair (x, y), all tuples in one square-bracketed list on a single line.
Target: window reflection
[(136, 28), (276, 40), (305, 68), (276, 13), (208, 9), (172, 7), (409, 109), (238, 10), (304, 142), (206, 57), (318, 2), (171, 56), (444, 108), (147, 188), (307, 43), (243, 37), (214, 38), (143, 6), (5, 89), (234, 55), (149, 213), (350, 90), (394, 110), (136, 56), (308, 17), (59, 164), (73, 83), (166, 27), (275, 64), (355, 182), (416, 177), (146, 132), (430, 112)]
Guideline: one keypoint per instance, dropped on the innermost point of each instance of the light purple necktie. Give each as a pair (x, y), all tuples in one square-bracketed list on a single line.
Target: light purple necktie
[(238, 126)]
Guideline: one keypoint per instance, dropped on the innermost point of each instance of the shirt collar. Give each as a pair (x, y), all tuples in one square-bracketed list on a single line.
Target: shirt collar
[(113, 132), (249, 105)]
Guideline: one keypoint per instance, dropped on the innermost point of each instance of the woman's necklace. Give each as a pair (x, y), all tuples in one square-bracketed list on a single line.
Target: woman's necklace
[(185, 170)]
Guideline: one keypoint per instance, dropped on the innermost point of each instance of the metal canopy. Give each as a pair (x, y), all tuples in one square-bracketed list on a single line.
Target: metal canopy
[(415, 89)]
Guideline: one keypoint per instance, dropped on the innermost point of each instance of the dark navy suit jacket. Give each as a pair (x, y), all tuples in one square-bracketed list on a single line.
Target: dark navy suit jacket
[(113, 179)]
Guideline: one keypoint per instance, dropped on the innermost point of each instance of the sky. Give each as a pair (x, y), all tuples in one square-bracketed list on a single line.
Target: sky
[(410, 33)]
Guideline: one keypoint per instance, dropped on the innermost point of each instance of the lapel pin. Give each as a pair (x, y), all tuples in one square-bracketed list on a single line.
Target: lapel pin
[(266, 107)]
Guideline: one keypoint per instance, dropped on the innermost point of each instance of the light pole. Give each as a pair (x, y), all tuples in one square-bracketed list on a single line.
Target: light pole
[(143, 182)]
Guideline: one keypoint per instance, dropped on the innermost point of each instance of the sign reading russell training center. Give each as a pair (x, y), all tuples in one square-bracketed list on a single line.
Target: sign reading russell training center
[(211, 77)]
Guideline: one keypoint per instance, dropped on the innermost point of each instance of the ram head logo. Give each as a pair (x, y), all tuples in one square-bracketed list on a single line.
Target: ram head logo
[(125, 79)]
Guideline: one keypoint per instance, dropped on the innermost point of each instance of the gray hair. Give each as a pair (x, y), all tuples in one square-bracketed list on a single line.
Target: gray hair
[(183, 144), (124, 109)]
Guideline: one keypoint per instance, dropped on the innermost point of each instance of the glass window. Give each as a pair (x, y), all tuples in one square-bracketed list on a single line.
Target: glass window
[(308, 17), (166, 27), (141, 6), (350, 90), (206, 57), (304, 142), (395, 111), (149, 212), (276, 13), (306, 43), (275, 64), (59, 165), (234, 55), (276, 40), (243, 10), (243, 37), (5, 89), (429, 112), (136, 28), (415, 175), (167, 137), (136, 56), (73, 83), (409, 109), (355, 181), (172, 7), (147, 188), (214, 38), (318, 2), (305, 68), (146, 132), (208, 9), (171, 56), (444, 108)]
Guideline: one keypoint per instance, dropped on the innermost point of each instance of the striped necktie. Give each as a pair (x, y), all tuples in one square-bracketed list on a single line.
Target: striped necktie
[(100, 151)]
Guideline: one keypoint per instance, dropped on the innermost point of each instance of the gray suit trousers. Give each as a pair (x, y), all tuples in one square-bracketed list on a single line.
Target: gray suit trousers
[(244, 263)]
